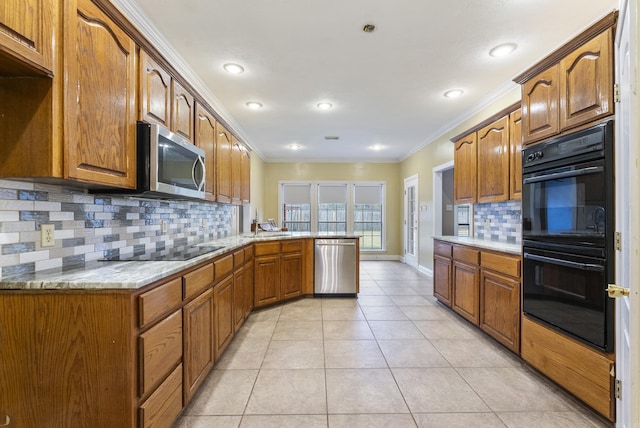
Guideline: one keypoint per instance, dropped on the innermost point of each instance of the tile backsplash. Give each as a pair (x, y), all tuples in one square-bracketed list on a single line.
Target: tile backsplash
[(89, 227), (500, 221)]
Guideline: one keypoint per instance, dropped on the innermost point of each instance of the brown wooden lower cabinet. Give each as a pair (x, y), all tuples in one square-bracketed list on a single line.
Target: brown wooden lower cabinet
[(482, 286), (199, 355), (132, 358), (581, 370), (224, 323), (466, 292)]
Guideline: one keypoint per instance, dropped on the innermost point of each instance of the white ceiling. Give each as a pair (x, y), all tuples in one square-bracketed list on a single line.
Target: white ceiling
[(386, 87)]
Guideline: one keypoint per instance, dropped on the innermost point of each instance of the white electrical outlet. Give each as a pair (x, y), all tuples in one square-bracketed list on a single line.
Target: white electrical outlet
[(163, 226), (47, 238)]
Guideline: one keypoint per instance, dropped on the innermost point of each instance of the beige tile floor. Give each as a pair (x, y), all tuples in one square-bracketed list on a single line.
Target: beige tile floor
[(392, 358)]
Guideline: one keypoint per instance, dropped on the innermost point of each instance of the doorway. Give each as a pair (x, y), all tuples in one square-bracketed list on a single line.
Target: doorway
[(443, 207), (411, 222)]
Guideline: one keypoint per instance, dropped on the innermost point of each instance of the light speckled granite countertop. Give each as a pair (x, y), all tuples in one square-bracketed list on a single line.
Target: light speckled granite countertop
[(134, 274), (505, 247)]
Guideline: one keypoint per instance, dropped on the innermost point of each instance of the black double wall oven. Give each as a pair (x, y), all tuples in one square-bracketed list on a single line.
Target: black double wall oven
[(567, 231)]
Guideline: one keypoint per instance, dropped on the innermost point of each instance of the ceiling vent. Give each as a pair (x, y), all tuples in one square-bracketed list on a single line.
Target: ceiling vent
[(331, 137)]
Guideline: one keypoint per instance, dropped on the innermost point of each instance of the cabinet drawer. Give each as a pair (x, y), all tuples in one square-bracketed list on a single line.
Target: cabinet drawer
[(195, 282), (160, 351), (224, 266), (502, 263), (238, 259), (264, 248), (291, 246), (248, 253), (466, 254), (442, 249), (160, 300), (164, 405)]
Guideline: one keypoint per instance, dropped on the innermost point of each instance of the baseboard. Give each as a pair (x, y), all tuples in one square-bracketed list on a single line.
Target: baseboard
[(425, 271), (385, 257)]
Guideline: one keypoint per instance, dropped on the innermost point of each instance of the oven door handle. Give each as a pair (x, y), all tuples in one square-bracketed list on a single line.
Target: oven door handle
[(565, 263), (566, 174)]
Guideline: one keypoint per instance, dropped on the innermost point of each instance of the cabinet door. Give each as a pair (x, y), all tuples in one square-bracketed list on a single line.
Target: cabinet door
[(493, 162), (100, 115), (291, 275), (442, 279), (238, 298), (466, 296), (206, 140), (464, 171), (236, 172), (248, 288), (515, 159), (182, 111), (246, 177), (540, 117), (223, 308), (198, 342), (586, 82), (223, 165), (267, 280), (500, 308), (155, 91), (27, 31)]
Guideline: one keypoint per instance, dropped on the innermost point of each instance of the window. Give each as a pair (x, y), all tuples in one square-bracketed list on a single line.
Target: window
[(332, 209), (336, 208), (296, 207), (367, 215)]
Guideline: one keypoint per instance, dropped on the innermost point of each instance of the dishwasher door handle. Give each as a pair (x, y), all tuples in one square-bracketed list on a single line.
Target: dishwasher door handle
[(341, 244)]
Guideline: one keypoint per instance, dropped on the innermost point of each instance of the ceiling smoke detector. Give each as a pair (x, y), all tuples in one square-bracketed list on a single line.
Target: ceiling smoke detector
[(369, 28)]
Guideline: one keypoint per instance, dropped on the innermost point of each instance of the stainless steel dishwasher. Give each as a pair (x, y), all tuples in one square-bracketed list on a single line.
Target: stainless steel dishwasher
[(336, 266)]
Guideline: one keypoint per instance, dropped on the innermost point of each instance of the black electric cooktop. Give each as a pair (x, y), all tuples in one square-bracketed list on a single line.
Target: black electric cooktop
[(179, 253)]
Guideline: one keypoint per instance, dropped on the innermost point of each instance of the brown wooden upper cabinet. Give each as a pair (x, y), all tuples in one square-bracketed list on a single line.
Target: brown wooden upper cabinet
[(465, 168), (540, 105), (26, 36), (570, 87), (236, 171), (155, 91), (493, 161), (100, 113), (515, 157), (224, 147), (77, 125), (206, 140), (246, 177), (487, 159), (164, 100)]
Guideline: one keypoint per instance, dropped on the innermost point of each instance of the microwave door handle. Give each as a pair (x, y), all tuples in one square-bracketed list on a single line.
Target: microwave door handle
[(199, 185), (566, 174), (565, 263)]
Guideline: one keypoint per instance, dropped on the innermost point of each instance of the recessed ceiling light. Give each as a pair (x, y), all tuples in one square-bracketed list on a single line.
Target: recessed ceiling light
[(503, 49), (377, 147), (233, 68), (454, 93), (254, 105), (324, 106), (295, 146)]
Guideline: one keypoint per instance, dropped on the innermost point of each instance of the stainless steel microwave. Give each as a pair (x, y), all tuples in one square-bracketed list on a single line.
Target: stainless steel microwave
[(168, 166)]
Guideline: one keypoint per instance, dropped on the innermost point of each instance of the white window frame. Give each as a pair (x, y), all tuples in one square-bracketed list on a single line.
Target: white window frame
[(313, 197)]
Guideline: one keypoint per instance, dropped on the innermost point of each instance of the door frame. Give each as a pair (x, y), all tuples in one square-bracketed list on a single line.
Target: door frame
[(437, 196), (627, 219), (413, 261)]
